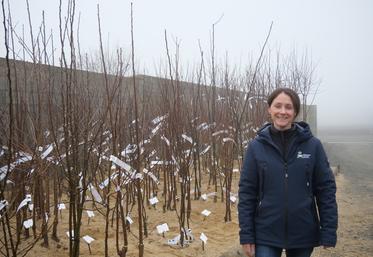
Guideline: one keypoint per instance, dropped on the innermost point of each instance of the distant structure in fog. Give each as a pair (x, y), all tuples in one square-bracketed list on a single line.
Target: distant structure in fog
[(311, 117), (148, 85)]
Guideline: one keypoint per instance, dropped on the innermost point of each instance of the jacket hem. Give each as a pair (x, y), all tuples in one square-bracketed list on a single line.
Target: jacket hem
[(283, 246)]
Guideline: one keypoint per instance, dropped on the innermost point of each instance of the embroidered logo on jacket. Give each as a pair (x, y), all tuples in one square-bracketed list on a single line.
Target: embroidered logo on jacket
[(303, 155)]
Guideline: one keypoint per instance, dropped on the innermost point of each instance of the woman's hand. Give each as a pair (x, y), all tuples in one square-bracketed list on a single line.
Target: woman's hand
[(249, 249)]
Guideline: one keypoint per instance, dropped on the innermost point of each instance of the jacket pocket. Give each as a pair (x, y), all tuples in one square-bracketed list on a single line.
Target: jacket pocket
[(262, 171), (315, 213), (309, 181)]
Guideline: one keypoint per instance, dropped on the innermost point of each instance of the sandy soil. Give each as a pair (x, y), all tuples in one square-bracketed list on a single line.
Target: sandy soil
[(354, 196), (221, 235)]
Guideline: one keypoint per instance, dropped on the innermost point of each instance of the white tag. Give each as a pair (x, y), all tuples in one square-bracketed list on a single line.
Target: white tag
[(28, 223), (61, 206), (174, 241), (233, 199), (162, 228), (70, 234), (139, 176), (3, 204), (153, 200), (88, 239), (90, 214), (203, 238), (206, 212), (24, 203), (130, 221)]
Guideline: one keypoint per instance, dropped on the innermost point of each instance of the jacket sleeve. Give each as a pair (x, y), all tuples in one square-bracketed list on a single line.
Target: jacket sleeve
[(325, 190), (247, 194)]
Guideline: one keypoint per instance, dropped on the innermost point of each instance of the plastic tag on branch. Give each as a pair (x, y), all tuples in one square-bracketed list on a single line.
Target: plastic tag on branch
[(46, 133), (25, 157), (144, 142), (187, 138), (233, 199), (94, 193), (130, 221), (151, 175), (71, 233), (104, 184), (4, 171), (24, 202), (203, 238), (203, 126), (155, 130), (28, 223), (121, 164), (106, 132), (61, 206), (228, 139), (3, 204), (88, 239), (205, 150), (219, 132), (114, 175), (47, 151), (166, 140), (162, 228), (187, 152), (139, 176), (152, 153), (130, 149), (206, 213), (159, 119), (90, 214), (153, 200)]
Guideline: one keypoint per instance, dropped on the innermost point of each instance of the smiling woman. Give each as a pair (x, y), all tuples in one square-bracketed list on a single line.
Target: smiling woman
[(287, 189)]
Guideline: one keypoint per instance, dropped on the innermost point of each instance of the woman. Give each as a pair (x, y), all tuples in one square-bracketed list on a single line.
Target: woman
[(287, 189)]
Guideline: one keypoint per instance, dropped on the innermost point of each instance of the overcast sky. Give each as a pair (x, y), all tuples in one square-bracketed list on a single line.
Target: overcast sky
[(337, 34)]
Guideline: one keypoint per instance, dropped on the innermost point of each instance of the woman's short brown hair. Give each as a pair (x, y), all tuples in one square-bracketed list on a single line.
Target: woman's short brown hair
[(290, 92)]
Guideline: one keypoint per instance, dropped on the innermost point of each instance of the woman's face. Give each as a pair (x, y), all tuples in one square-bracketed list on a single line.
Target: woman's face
[(282, 112)]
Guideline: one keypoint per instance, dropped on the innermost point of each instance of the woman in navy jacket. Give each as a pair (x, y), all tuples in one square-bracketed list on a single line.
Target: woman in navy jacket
[(287, 189)]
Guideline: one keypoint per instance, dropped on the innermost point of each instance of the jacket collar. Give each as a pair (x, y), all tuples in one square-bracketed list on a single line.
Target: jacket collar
[(303, 132)]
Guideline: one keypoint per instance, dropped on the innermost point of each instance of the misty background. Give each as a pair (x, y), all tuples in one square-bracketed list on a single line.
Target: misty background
[(337, 36)]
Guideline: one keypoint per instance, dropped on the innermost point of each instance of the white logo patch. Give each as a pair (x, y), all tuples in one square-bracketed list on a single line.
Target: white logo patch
[(303, 155)]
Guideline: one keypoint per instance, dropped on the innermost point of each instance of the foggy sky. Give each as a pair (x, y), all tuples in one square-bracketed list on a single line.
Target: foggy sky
[(336, 34)]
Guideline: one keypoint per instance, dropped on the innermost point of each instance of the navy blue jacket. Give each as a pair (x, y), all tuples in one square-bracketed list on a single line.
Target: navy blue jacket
[(287, 200)]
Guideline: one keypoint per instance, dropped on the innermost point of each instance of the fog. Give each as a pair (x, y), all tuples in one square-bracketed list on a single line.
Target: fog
[(336, 34)]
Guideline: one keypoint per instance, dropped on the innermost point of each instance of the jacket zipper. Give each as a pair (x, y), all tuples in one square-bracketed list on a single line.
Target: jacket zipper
[(286, 204)]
